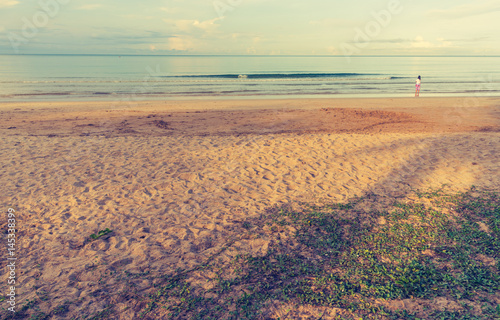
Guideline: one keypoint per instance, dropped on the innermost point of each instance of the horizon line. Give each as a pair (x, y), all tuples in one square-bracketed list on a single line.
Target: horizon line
[(241, 55)]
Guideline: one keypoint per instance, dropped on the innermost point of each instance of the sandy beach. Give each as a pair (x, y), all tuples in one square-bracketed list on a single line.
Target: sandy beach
[(174, 180)]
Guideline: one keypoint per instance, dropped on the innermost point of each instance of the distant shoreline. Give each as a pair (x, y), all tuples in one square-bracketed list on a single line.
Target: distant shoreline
[(129, 100), (241, 55)]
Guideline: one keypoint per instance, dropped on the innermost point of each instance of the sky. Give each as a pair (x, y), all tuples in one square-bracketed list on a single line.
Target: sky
[(250, 27)]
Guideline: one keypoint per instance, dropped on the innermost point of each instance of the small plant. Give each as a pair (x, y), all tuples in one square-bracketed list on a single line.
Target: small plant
[(39, 316), (247, 225), (100, 315), (100, 234), (42, 295), (342, 256), (62, 309)]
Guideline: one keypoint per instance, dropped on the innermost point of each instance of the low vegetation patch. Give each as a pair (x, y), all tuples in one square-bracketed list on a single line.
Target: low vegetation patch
[(432, 255), (411, 261)]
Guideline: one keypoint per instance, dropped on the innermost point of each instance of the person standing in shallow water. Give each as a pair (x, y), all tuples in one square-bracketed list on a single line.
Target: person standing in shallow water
[(417, 87)]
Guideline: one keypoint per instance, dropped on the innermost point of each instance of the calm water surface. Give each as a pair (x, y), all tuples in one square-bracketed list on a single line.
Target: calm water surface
[(84, 77)]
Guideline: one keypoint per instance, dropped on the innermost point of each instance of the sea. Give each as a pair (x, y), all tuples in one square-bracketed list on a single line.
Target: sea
[(176, 77)]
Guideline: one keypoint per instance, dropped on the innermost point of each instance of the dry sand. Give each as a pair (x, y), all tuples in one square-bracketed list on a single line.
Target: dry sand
[(174, 179)]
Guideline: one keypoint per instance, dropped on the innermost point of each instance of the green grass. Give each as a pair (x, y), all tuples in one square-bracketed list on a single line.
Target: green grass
[(356, 260), (362, 263), (101, 233)]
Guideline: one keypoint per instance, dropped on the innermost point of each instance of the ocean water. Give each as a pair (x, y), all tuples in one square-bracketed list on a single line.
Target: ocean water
[(95, 77)]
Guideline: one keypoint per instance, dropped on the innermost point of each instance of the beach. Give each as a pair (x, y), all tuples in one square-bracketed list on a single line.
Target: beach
[(174, 180)]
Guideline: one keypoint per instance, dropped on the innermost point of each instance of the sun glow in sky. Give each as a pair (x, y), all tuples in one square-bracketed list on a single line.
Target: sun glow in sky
[(262, 27)]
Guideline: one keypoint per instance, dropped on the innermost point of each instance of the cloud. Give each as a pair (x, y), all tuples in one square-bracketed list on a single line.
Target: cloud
[(192, 26), (443, 43), (420, 43), (251, 50), (476, 39), (395, 40), (169, 10), (467, 10), (206, 25), (8, 3), (332, 50), (180, 44), (90, 6), (334, 23), (127, 36), (138, 17)]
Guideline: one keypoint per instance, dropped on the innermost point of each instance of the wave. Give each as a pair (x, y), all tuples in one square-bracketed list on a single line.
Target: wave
[(214, 78), (275, 75), (43, 94)]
